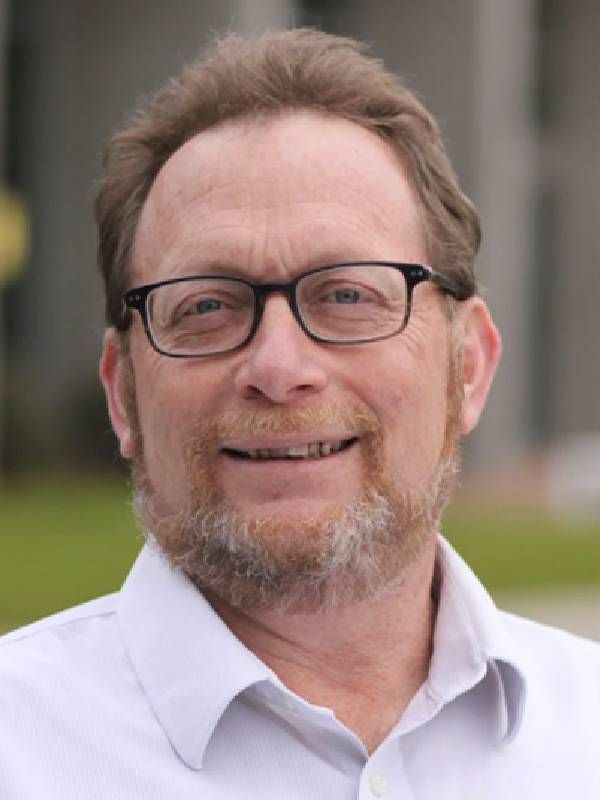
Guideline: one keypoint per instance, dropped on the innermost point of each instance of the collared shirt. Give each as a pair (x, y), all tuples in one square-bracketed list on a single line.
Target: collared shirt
[(147, 694)]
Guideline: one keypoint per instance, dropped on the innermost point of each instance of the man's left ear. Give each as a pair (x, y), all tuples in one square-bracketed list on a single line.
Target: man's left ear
[(481, 346)]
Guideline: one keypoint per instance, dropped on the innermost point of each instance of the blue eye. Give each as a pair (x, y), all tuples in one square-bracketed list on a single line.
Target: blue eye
[(347, 296), (205, 306)]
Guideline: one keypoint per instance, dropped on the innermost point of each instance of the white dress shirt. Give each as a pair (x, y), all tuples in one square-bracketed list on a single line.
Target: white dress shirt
[(147, 694)]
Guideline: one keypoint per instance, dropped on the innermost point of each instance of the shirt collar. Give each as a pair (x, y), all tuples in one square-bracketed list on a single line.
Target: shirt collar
[(472, 638), (188, 662), (191, 666)]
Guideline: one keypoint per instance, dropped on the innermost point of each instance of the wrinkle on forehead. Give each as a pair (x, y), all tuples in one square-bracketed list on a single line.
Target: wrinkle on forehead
[(288, 176)]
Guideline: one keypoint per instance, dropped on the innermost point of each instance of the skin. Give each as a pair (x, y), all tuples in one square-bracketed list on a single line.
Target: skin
[(268, 200)]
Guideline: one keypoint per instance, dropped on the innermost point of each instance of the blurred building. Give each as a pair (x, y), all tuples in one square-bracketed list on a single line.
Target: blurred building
[(514, 85)]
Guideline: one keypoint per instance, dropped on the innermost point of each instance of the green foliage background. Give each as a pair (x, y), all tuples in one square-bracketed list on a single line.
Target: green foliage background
[(69, 540)]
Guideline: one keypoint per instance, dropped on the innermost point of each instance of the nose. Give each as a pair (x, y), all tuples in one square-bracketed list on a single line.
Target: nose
[(280, 364)]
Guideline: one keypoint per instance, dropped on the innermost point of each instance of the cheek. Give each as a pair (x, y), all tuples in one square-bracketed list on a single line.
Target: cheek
[(417, 440), (174, 396), (164, 412), (162, 433), (412, 406)]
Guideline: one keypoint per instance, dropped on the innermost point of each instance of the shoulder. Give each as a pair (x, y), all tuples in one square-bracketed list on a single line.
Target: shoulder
[(57, 644), (57, 624), (558, 664), (537, 638), (69, 702), (61, 670)]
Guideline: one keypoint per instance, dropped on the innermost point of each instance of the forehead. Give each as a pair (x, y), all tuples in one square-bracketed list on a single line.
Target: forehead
[(300, 187)]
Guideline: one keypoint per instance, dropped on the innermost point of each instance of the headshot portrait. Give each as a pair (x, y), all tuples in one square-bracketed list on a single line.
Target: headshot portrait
[(296, 350)]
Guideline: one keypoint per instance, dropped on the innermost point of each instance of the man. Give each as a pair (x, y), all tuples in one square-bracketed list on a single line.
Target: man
[(295, 348)]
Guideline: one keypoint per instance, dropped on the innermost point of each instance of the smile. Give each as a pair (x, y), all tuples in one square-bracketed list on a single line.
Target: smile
[(297, 452)]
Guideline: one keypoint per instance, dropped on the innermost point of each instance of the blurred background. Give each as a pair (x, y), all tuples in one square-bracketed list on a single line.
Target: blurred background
[(514, 85)]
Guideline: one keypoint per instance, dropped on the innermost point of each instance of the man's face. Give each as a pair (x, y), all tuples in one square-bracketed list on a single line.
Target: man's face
[(268, 200)]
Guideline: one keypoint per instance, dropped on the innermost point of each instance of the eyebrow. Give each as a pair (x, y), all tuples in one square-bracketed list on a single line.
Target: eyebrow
[(192, 267)]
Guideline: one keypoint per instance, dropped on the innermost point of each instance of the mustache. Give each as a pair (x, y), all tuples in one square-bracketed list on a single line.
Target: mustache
[(357, 420)]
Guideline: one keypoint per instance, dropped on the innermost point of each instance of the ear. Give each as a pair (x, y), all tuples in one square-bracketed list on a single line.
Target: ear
[(112, 374), (481, 346)]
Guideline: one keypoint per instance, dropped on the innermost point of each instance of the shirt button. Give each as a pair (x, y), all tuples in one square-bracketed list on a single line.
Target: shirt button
[(378, 784)]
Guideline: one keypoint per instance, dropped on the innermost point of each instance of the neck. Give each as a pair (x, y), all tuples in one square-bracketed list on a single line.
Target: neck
[(364, 661)]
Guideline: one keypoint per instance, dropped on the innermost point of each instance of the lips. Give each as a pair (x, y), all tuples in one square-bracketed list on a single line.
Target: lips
[(315, 449)]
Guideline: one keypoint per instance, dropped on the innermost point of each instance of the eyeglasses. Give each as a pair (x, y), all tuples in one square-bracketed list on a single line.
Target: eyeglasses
[(348, 303)]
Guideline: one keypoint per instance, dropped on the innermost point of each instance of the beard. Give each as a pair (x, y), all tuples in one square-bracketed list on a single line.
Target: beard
[(349, 553)]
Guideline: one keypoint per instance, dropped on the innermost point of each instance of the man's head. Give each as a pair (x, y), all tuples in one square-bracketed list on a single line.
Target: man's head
[(250, 78), (291, 471)]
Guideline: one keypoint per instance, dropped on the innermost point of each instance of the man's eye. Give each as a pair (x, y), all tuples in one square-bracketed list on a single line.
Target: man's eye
[(347, 296), (204, 306)]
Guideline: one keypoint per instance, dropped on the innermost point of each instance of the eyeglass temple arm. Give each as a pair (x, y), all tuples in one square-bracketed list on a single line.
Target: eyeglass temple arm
[(452, 287)]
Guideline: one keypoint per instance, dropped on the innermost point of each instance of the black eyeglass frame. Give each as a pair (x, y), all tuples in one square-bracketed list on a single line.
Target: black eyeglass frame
[(414, 274)]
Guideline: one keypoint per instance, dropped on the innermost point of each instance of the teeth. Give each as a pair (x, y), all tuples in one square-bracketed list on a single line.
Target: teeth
[(312, 450), (302, 451)]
